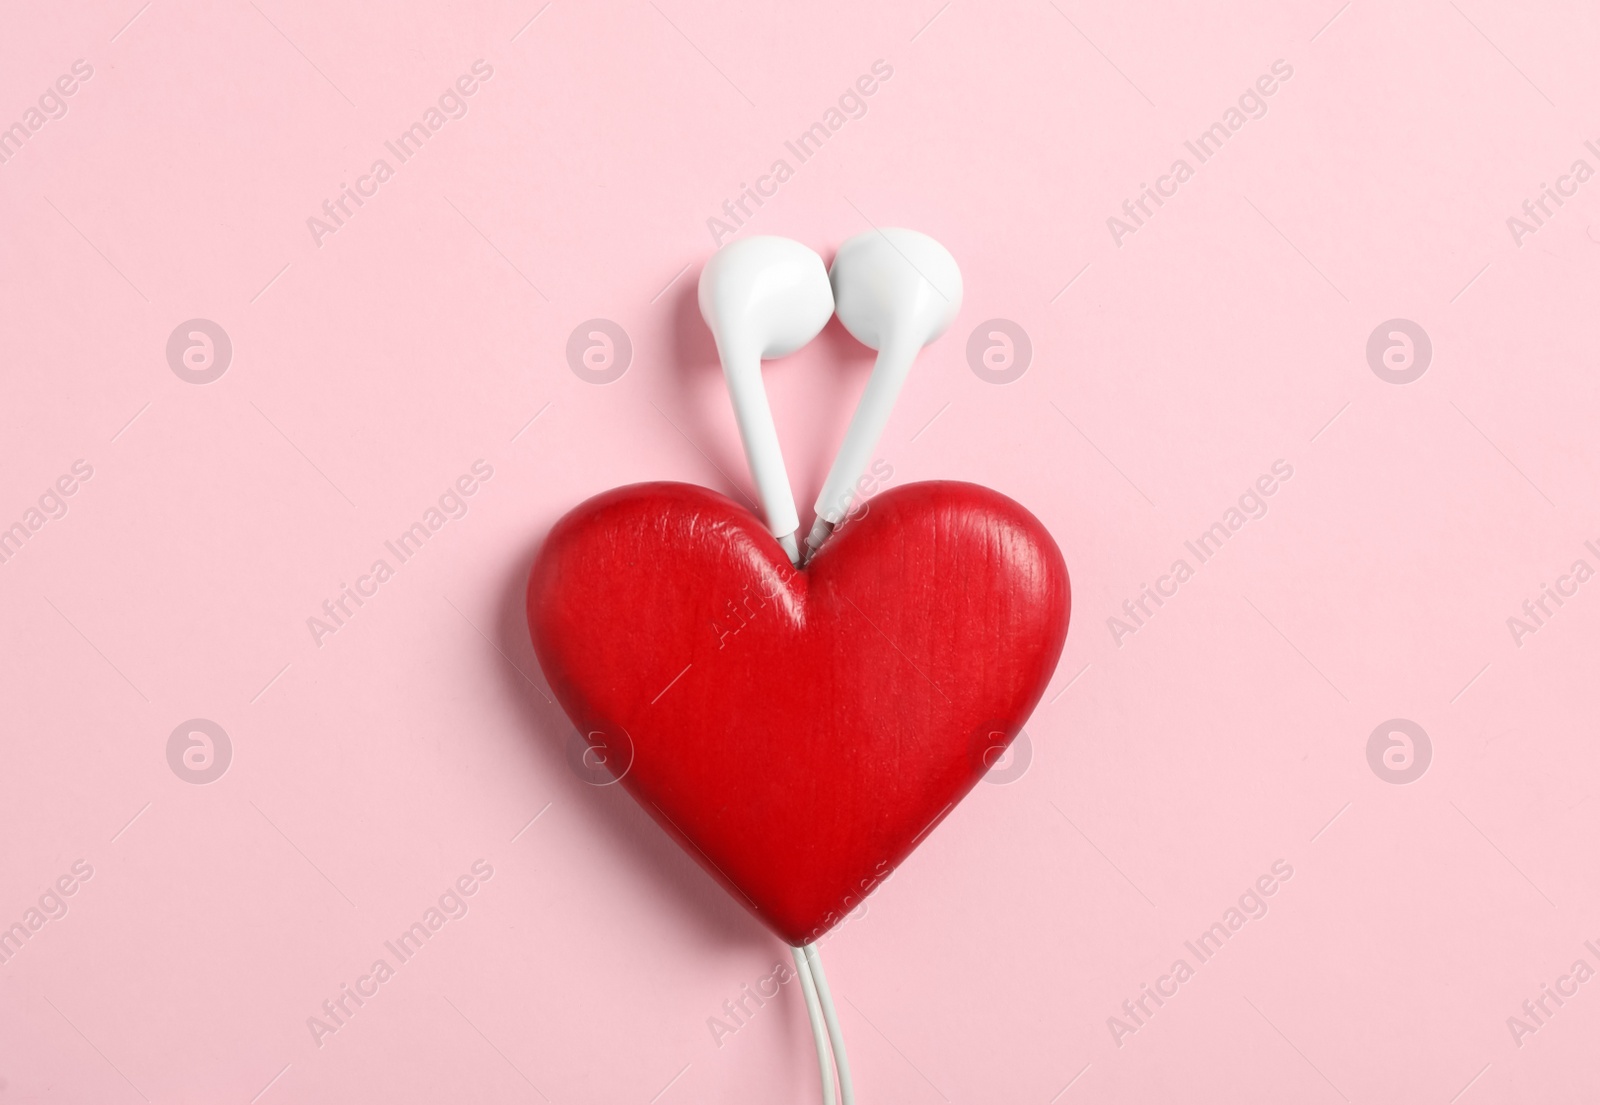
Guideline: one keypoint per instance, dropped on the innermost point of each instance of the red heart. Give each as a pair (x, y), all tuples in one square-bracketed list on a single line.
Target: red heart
[(799, 732)]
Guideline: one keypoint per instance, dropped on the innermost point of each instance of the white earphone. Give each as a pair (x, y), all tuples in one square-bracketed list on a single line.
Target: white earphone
[(895, 291), (764, 297)]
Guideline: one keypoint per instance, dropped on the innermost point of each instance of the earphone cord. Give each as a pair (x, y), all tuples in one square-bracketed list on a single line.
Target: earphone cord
[(819, 1007)]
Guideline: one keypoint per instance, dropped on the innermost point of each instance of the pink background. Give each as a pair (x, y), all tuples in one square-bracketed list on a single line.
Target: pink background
[(1168, 771)]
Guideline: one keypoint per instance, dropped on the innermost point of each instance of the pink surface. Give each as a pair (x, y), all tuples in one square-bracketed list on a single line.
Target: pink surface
[(374, 771)]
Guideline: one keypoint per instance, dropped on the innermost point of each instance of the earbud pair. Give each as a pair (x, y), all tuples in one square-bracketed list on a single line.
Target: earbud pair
[(765, 297)]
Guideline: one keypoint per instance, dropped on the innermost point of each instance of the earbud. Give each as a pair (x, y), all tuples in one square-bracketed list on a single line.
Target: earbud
[(895, 291), (764, 297)]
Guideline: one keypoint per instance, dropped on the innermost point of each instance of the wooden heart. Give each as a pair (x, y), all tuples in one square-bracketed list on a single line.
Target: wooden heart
[(799, 731)]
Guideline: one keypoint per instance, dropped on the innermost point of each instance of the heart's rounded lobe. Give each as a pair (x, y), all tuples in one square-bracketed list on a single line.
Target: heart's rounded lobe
[(799, 732)]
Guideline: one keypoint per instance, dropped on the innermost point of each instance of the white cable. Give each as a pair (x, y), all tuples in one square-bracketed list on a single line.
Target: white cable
[(835, 1033), (818, 1033)]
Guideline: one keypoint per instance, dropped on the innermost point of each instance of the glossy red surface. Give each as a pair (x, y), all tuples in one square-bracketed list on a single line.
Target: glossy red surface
[(799, 732)]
